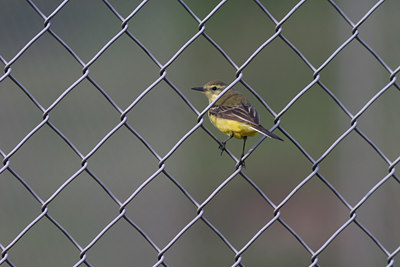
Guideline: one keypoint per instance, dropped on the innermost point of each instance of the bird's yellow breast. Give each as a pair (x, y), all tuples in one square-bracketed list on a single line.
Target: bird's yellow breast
[(229, 127)]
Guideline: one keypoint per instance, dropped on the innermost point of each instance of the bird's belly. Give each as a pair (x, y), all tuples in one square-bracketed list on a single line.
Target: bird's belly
[(228, 127)]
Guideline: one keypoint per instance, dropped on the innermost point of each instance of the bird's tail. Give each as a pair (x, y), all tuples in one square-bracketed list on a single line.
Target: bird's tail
[(265, 132)]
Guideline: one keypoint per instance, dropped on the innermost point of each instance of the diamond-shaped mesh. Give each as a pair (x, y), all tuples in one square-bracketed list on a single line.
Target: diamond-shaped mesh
[(107, 161)]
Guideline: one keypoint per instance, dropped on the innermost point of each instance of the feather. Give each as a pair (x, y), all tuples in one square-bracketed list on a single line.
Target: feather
[(242, 113)]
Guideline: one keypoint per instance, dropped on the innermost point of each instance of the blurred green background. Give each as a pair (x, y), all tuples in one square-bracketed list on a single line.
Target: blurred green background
[(123, 163)]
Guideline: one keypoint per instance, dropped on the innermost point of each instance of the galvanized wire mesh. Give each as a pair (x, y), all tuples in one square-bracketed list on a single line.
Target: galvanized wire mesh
[(238, 172)]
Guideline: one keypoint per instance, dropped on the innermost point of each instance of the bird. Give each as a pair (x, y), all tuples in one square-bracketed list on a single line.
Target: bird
[(233, 114)]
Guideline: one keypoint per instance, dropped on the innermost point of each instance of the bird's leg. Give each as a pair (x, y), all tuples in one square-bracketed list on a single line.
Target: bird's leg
[(222, 146), (241, 162)]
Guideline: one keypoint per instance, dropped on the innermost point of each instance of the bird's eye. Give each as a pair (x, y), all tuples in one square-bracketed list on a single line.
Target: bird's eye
[(214, 88)]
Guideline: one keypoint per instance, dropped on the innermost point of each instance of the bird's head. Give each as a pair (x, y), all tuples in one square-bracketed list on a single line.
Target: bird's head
[(211, 89)]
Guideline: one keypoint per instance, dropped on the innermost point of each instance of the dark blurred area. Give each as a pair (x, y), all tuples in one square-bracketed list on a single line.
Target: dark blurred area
[(123, 163)]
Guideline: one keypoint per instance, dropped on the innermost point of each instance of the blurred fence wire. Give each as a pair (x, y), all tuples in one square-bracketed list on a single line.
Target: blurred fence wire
[(162, 251)]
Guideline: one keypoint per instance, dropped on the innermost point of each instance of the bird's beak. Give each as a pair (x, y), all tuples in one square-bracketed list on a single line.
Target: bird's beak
[(198, 89)]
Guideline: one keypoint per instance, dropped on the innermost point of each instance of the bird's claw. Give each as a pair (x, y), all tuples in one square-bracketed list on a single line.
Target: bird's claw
[(222, 147), (241, 163)]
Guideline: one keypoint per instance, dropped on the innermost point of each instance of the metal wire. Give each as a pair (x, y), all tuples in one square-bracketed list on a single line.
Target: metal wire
[(162, 252)]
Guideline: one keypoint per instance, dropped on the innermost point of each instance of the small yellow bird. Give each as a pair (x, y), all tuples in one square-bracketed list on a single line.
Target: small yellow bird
[(232, 114)]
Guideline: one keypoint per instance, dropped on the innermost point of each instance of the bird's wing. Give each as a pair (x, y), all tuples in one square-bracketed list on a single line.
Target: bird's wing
[(243, 113)]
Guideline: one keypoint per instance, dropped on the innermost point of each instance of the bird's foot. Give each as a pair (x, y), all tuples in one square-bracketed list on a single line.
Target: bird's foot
[(222, 147), (241, 163), (223, 143)]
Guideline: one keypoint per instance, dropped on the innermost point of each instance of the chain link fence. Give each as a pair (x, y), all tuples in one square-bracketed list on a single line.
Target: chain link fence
[(107, 161)]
